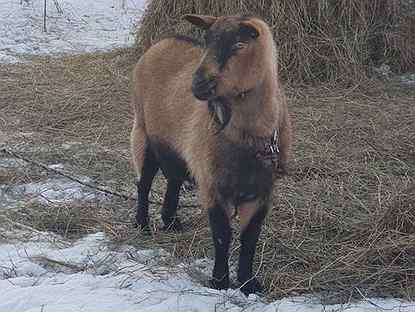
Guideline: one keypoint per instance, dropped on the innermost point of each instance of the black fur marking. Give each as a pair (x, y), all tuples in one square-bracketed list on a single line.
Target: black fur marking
[(248, 31), (222, 235), (249, 238), (171, 163), (223, 41), (159, 155), (244, 177), (150, 168), (175, 170), (169, 209), (187, 39)]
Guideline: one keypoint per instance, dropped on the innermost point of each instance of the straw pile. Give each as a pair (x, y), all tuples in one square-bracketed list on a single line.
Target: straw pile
[(330, 41)]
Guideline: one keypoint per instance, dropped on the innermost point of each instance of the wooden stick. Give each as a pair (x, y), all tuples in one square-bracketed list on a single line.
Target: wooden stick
[(74, 179)]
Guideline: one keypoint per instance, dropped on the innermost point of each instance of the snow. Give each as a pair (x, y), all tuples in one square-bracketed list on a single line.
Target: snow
[(11, 163), (55, 190), (408, 79), (51, 190), (46, 273), (78, 26)]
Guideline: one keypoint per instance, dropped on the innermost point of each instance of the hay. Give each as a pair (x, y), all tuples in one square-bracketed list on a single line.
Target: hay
[(330, 41), (343, 221), (91, 89)]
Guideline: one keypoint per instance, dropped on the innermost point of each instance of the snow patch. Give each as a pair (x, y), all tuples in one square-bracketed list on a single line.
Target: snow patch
[(89, 276), (408, 79), (69, 145), (56, 190), (56, 166), (53, 190), (74, 26), (12, 163)]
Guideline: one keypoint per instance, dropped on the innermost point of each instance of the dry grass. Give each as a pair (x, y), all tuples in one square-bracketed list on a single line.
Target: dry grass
[(331, 41), (343, 220), (69, 97)]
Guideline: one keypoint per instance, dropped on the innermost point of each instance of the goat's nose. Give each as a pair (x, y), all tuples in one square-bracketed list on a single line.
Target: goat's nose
[(203, 87)]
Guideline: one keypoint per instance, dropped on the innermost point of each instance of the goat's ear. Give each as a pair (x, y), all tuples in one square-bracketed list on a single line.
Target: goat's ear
[(249, 30), (201, 21)]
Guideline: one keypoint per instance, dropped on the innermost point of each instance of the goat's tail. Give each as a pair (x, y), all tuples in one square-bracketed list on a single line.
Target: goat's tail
[(138, 137)]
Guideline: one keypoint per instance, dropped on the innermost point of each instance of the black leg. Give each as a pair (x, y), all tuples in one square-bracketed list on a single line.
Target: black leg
[(249, 239), (222, 234), (150, 168), (169, 209)]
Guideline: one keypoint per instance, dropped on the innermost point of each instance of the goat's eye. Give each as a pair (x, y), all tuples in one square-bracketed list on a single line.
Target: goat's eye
[(239, 45)]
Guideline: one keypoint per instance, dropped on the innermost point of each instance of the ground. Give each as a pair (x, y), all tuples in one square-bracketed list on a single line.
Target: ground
[(342, 228)]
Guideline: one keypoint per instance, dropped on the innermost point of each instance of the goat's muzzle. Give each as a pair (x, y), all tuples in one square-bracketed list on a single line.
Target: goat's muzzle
[(203, 88)]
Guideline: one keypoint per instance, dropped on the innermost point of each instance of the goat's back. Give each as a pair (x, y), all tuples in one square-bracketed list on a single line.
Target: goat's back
[(163, 101)]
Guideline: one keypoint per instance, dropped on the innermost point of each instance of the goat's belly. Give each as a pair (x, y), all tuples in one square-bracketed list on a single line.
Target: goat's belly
[(171, 163)]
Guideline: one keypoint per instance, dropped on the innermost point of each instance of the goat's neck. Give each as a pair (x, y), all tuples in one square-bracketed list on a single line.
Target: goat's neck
[(256, 115)]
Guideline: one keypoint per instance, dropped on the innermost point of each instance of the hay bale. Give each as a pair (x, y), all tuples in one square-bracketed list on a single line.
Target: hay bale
[(317, 40)]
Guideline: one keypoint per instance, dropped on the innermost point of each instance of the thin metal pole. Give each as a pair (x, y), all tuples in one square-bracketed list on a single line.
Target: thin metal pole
[(44, 16)]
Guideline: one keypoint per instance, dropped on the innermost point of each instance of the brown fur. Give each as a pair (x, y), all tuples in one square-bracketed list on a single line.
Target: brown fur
[(166, 109)]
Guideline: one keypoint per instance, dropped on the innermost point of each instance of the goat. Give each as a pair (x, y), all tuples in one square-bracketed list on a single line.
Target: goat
[(216, 112)]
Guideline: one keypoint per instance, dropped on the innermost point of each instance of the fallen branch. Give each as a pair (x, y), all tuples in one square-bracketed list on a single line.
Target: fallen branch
[(74, 179)]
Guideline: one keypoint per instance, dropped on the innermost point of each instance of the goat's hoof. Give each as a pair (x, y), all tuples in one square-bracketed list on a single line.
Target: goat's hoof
[(173, 226), (219, 284), (251, 286)]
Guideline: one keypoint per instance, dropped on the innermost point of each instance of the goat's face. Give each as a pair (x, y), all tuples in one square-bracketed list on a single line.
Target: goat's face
[(234, 58)]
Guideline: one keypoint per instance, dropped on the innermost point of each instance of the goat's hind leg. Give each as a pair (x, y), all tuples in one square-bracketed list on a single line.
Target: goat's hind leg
[(148, 172), (146, 167)]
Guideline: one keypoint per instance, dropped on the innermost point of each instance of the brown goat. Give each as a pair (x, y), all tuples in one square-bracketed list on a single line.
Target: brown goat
[(217, 114)]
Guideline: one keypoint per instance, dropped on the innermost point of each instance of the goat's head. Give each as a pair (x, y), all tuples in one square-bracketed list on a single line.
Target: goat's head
[(235, 59)]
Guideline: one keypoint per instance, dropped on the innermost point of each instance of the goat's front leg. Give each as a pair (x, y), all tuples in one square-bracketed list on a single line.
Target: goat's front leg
[(222, 235), (251, 216)]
